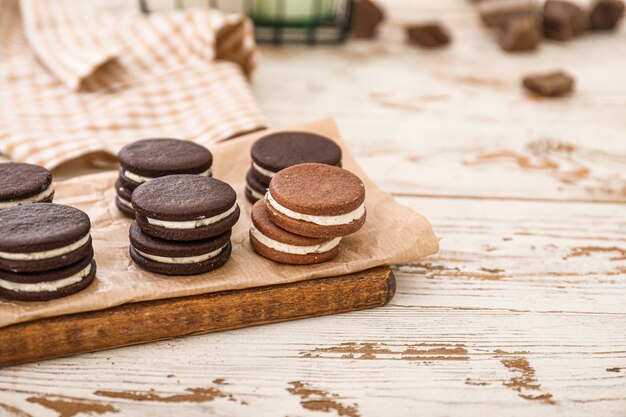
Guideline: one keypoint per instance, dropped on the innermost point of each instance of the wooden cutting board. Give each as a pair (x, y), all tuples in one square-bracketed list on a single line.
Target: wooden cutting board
[(143, 322)]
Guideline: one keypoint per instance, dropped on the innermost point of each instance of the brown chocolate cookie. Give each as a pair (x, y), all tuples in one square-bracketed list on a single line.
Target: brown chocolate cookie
[(280, 150), (123, 200), (317, 200), (24, 184), (178, 258), (40, 237), (276, 244), (255, 189), (185, 207)]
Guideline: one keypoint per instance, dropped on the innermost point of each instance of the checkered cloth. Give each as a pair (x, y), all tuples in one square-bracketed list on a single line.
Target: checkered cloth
[(76, 80)]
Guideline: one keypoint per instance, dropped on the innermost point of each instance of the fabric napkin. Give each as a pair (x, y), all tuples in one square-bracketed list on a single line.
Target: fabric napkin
[(77, 79)]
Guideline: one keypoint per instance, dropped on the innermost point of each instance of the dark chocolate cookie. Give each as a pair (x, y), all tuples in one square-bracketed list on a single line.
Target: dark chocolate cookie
[(24, 184), (48, 285), (317, 200), (255, 189), (39, 237), (150, 158), (185, 207), (280, 150), (279, 245), (123, 199)]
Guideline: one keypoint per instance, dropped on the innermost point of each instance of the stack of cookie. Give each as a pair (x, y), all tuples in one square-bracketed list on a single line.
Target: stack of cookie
[(277, 151), (183, 224), (45, 252), (306, 211), (146, 159), (24, 184)]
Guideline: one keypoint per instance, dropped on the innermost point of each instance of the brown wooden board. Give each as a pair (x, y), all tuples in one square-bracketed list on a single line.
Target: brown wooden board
[(143, 322)]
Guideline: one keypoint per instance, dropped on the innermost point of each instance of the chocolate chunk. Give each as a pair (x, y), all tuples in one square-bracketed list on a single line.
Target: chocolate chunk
[(553, 84), (563, 20), (522, 34), (428, 35), (365, 18), (499, 13), (605, 14)]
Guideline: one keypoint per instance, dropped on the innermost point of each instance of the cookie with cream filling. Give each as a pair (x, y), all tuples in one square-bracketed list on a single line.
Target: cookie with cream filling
[(123, 199), (279, 245), (169, 257), (317, 200), (24, 184), (185, 207), (146, 159), (40, 237)]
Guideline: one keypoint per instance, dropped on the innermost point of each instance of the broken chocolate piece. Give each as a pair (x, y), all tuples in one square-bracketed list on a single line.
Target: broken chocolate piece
[(365, 18), (605, 14), (521, 34), (554, 84), (428, 35), (563, 20), (499, 13)]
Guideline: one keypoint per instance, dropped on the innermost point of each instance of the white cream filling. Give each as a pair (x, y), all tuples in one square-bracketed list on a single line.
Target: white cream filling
[(184, 259), (192, 224), (263, 171), (292, 249), (320, 220), (46, 254), (255, 193), (140, 178), (39, 197), (125, 202), (46, 285)]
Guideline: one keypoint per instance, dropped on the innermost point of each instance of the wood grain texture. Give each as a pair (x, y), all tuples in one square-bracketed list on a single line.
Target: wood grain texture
[(162, 319), (522, 312)]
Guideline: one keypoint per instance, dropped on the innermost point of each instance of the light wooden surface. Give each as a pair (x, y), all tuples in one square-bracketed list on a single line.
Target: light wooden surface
[(523, 312)]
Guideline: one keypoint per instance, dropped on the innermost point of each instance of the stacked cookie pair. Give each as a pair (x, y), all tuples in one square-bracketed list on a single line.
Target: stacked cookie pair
[(22, 184), (306, 211), (277, 151), (45, 252), (183, 224), (146, 159)]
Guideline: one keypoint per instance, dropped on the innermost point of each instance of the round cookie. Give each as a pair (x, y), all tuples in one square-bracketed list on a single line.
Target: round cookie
[(276, 244), (185, 207), (317, 200), (178, 258), (255, 190), (123, 200), (48, 285), (24, 184), (280, 150), (151, 158), (40, 237)]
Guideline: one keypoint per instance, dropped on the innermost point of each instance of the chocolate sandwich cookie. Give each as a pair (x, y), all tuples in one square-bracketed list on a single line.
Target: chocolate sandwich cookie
[(178, 258), (280, 150), (48, 285), (123, 199), (151, 158), (272, 242), (317, 200), (24, 184), (255, 189), (185, 207), (40, 237)]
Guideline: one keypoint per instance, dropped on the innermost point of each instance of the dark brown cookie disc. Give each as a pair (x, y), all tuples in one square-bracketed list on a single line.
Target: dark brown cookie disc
[(181, 269), (185, 207), (158, 157), (19, 182), (279, 245), (39, 237), (280, 150), (45, 279), (255, 190), (317, 200)]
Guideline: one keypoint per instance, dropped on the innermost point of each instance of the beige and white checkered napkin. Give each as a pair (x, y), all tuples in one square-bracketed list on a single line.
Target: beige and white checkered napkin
[(76, 80)]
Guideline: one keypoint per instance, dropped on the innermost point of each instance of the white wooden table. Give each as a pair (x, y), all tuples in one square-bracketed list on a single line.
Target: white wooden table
[(522, 313)]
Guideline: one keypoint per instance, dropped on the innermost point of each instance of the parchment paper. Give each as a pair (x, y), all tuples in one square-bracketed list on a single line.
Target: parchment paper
[(392, 234)]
